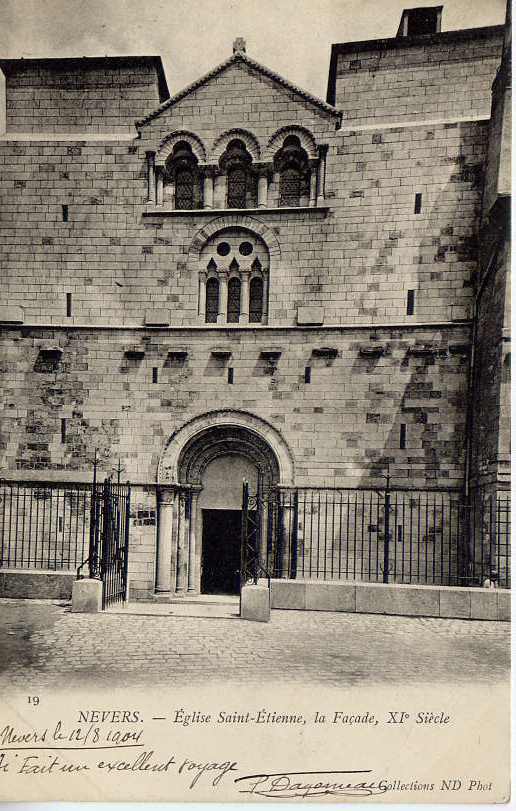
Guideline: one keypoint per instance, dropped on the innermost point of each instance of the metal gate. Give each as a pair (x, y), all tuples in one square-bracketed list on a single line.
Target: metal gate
[(109, 540), (253, 564), (389, 535)]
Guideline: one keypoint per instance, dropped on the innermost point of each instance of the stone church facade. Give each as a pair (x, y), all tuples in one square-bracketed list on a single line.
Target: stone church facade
[(243, 281)]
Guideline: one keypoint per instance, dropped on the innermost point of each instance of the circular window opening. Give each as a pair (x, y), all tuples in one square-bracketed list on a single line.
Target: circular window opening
[(246, 248), (223, 248)]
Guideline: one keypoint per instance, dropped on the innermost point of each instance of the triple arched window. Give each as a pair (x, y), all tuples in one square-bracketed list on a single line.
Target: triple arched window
[(292, 175), (234, 282)]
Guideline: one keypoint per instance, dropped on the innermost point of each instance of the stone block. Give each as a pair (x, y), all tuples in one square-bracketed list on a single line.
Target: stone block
[(157, 318), (11, 314), (409, 601), (288, 594), (484, 604), (330, 596), (504, 606), (310, 316), (255, 603), (455, 603), (36, 585), (87, 596)]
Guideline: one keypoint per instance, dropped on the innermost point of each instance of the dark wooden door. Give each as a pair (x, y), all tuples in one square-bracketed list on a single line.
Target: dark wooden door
[(220, 563)]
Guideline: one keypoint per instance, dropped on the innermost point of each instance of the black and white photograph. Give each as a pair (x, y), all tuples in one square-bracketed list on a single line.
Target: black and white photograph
[(255, 413)]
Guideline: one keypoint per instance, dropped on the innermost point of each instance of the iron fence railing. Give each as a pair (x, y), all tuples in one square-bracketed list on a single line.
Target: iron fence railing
[(390, 535), (44, 525), (490, 538), (68, 527)]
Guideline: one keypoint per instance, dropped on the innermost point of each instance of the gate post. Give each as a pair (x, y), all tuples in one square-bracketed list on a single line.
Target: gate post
[(387, 531), (243, 539), (293, 537), (127, 516)]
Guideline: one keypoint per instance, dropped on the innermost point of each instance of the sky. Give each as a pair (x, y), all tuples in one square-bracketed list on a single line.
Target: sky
[(292, 37)]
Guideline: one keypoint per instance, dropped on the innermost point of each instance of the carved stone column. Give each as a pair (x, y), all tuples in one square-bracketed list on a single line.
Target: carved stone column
[(313, 186), (208, 188), (183, 540), (166, 502), (151, 180), (323, 149), (223, 298), (263, 188), (159, 186), (265, 305), (192, 546), (202, 296), (219, 192), (244, 298)]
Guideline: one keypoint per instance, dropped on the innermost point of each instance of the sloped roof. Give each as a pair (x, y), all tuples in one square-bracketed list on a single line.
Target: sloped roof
[(241, 56)]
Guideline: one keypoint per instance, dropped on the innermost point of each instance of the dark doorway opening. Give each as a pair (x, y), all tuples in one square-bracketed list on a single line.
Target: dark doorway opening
[(221, 539)]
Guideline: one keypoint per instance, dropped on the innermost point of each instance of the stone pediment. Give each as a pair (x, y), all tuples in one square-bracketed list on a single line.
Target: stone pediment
[(242, 61)]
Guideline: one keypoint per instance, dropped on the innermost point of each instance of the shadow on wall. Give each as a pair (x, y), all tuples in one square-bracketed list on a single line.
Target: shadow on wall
[(432, 371)]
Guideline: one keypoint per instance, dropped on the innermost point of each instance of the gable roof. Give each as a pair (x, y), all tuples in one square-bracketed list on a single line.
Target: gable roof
[(235, 58)]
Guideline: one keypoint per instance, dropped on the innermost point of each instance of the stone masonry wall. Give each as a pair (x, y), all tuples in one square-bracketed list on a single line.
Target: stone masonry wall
[(53, 95), (342, 428), (492, 378), (74, 220), (357, 261), (430, 80)]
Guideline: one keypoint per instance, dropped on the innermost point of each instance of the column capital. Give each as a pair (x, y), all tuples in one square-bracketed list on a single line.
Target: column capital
[(211, 169), (167, 494), (322, 149), (265, 169)]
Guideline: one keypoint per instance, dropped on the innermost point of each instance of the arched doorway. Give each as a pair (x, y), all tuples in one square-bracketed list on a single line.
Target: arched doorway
[(214, 464), (201, 475)]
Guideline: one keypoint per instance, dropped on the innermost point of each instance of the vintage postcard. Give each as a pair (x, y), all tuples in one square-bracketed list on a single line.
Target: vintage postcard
[(255, 401)]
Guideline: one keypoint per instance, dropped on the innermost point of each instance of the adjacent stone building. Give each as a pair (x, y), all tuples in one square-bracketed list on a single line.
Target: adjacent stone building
[(243, 281)]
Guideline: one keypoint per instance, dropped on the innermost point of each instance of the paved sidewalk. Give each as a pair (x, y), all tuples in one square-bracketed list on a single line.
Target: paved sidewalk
[(42, 643)]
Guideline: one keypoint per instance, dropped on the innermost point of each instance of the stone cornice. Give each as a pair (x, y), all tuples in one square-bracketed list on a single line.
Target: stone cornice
[(459, 324), (165, 211)]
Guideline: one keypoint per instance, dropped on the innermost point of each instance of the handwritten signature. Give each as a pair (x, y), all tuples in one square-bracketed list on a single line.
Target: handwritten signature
[(289, 785)]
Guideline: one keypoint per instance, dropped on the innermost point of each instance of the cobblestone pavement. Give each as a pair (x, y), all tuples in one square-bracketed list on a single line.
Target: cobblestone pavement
[(42, 643)]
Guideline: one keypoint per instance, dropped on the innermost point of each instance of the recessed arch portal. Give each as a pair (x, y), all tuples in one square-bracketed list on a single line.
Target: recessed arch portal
[(200, 483), (200, 440)]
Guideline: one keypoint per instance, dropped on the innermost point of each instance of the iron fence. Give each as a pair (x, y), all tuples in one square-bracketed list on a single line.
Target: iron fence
[(490, 538), (44, 525), (68, 527), (378, 535)]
